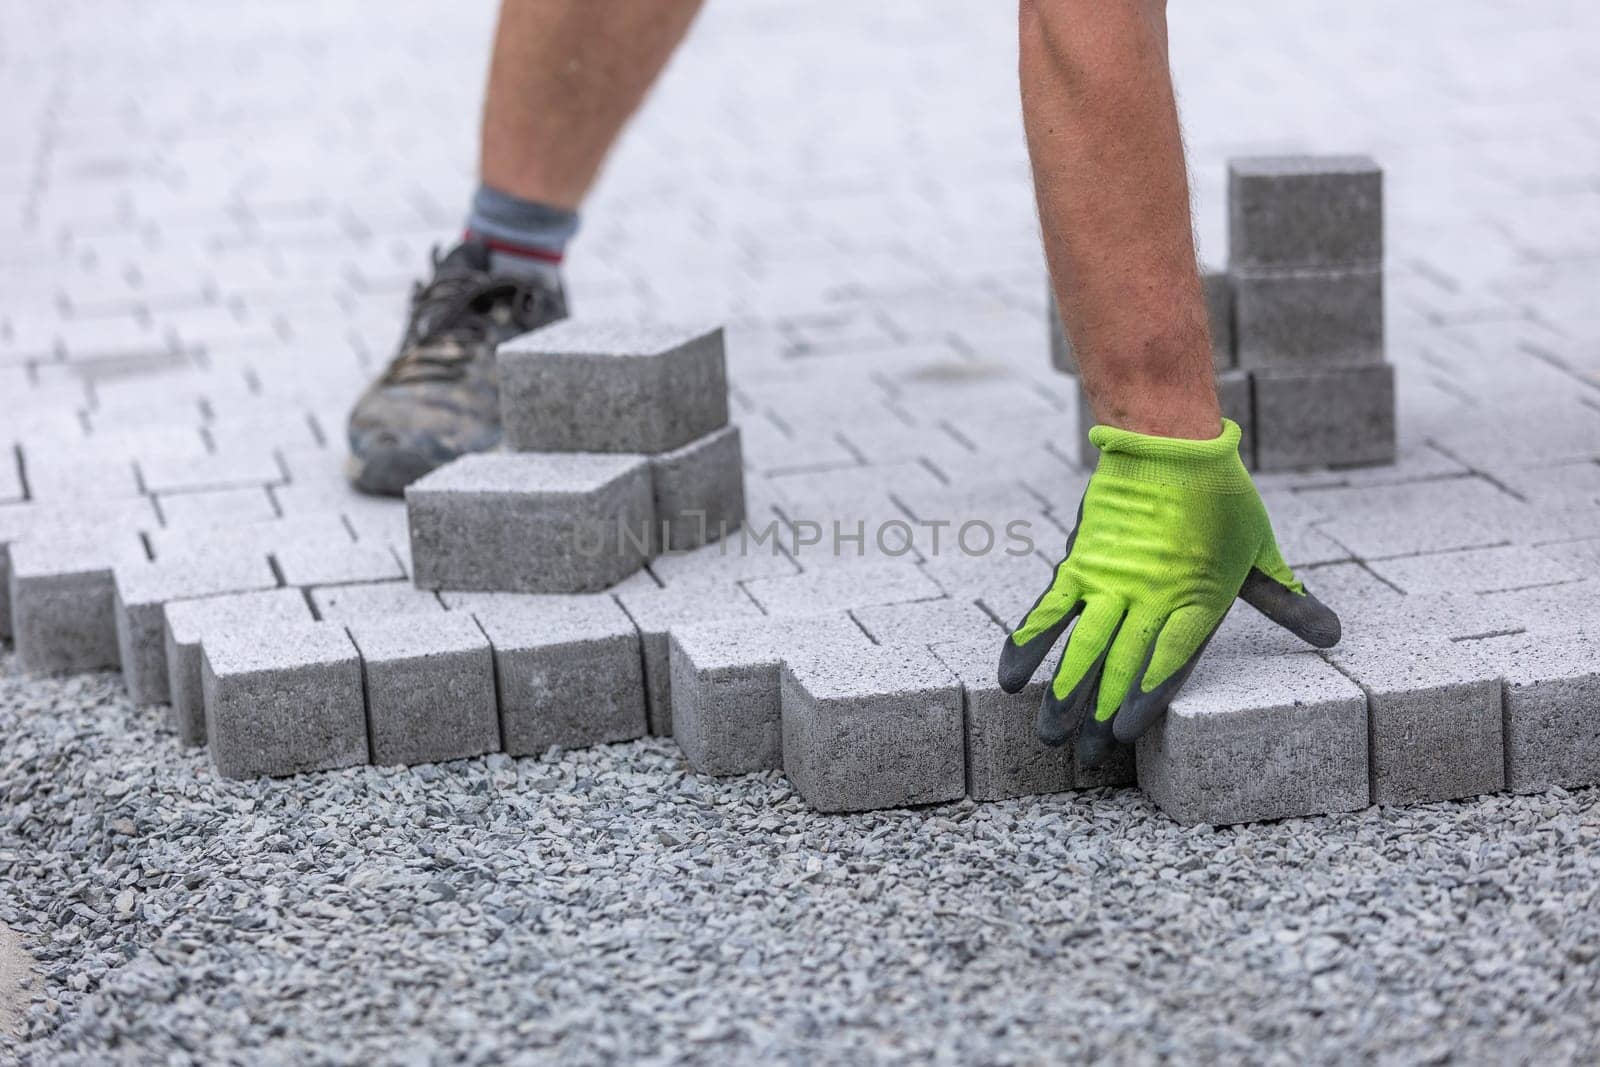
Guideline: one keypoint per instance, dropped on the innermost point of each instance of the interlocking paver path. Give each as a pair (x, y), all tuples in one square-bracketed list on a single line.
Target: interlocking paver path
[(182, 366), (211, 215)]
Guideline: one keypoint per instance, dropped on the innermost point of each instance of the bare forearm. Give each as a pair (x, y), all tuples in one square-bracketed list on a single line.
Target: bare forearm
[(1113, 193)]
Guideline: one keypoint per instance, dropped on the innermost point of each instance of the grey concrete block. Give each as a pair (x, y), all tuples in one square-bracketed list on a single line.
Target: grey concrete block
[(216, 507), (836, 588), (1304, 211), (699, 490), (1324, 416), (1318, 317), (1475, 570), (726, 715), (877, 728), (656, 611), (1434, 717), (756, 551), (343, 562), (143, 587), (373, 600), (283, 699), (57, 521), (1552, 693), (1219, 312), (568, 670), (929, 622), (430, 688), (1004, 757), (185, 624), (218, 470), (1258, 737), (63, 597), (532, 523), (582, 386), (1236, 399)]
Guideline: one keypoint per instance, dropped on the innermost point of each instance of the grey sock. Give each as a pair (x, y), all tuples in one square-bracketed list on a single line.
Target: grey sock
[(524, 236)]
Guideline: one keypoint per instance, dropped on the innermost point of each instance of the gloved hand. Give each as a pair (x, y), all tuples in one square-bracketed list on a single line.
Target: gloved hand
[(1169, 533)]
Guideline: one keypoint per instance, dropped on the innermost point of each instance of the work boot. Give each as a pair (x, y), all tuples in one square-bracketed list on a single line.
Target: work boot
[(440, 396)]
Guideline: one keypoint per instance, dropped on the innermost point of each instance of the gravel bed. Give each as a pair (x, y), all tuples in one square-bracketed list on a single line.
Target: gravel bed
[(604, 905)]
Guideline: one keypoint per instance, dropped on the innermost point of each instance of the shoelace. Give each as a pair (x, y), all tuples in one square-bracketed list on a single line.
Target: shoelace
[(459, 308)]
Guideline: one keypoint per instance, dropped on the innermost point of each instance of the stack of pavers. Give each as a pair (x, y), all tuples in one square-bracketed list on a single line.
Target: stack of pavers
[(1297, 318), (618, 448)]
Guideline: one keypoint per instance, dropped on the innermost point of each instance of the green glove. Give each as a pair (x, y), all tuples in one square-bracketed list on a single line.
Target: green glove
[(1169, 533)]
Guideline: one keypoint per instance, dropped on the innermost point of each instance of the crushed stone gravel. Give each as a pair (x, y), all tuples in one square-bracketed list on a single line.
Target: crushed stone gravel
[(605, 905)]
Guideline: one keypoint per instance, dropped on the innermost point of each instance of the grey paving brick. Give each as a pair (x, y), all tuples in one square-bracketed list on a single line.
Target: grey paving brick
[(321, 528), (1434, 717), (63, 521), (1304, 211), (725, 698), (1552, 691), (1475, 570), (430, 688), (282, 699), (656, 611), (78, 479), (568, 670), (372, 600), (1564, 608), (837, 588), (185, 624), (1004, 757), (1322, 317), (1219, 311), (582, 386), (1258, 737), (142, 587), (928, 622), (1332, 416), (62, 600), (306, 563), (699, 490), (878, 727), (755, 551), (216, 507), (532, 523), (254, 467), (1236, 398)]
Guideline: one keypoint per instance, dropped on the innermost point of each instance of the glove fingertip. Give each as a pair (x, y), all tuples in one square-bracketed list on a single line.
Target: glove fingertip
[(1302, 614)]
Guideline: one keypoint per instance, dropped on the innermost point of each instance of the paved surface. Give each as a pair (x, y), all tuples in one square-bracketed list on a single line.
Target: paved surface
[(211, 220)]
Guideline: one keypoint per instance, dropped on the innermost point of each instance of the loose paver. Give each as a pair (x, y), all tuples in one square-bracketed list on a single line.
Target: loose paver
[(1004, 756), (726, 713), (1259, 737), (185, 624), (532, 522), (699, 490), (568, 670), (597, 386), (874, 727), (63, 597), (1552, 688), (143, 588), (283, 699), (430, 685), (656, 611), (1434, 717)]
